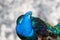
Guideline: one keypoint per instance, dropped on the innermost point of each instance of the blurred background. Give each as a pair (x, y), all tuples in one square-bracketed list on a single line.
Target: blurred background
[(10, 10)]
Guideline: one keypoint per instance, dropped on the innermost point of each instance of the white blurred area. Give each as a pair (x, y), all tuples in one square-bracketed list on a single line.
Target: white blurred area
[(10, 10)]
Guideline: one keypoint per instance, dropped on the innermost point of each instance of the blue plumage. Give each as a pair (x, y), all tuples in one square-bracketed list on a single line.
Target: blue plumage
[(24, 28)]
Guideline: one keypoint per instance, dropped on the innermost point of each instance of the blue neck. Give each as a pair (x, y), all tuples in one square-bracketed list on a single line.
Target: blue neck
[(25, 28)]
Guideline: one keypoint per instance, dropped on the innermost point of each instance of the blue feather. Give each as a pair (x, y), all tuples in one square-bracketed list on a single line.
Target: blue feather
[(25, 27)]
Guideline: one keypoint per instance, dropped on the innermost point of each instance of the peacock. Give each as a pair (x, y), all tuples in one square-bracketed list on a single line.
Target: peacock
[(24, 27), (30, 28)]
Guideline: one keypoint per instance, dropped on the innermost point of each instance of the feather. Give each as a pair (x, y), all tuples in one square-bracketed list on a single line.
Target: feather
[(38, 25), (54, 29), (24, 28), (42, 28)]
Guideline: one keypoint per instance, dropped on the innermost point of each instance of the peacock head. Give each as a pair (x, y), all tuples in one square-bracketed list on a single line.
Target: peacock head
[(28, 14), (25, 24)]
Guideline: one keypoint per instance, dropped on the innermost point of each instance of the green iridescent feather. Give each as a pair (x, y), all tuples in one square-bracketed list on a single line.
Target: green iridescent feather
[(55, 30)]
